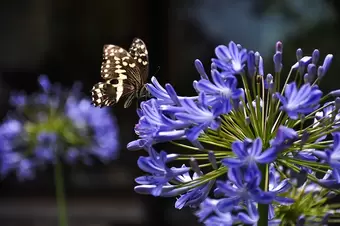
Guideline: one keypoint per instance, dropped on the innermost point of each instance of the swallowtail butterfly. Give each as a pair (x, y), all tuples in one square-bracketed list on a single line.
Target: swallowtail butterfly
[(124, 72)]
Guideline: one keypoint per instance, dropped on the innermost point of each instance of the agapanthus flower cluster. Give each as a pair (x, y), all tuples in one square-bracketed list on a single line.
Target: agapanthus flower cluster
[(258, 153), (54, 124)]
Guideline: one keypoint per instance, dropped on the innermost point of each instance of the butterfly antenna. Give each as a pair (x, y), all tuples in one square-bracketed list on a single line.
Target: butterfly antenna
[(158, 69)]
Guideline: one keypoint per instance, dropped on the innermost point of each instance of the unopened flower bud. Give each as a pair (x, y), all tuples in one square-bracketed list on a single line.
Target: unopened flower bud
[(299, 54)]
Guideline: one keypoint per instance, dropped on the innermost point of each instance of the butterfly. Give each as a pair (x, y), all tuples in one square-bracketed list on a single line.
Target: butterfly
[(124, 73)]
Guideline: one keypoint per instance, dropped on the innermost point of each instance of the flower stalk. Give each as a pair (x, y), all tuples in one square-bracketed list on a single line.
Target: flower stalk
[(60, 194)]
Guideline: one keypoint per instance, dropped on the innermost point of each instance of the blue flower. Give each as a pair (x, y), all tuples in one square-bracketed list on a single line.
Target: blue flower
[(264, 138), (249, 153), (103, 132), (221, 92), (200, 115), (278, 186), (326, 115), (209, 214), (284, 138), (241, 187), (155, 164), (299, 101), (54, 123), (332, 156), (164, 96), (252, 217), (195, 196), (221, 219), (46, 146), (206, 208), (231, 59), (154, 126)]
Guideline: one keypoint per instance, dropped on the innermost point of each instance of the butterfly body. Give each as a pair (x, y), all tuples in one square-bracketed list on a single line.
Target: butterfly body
[(124, 74)]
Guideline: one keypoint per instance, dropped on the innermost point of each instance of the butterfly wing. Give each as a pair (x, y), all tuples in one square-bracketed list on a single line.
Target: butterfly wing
[(140, 54), (106, 94), (117, 67)]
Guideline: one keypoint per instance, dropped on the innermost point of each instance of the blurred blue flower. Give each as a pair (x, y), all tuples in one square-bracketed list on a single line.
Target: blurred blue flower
[(54, 123)]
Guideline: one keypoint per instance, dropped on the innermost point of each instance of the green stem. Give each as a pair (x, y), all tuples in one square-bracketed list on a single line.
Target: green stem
[(263, 208), (60, 195)]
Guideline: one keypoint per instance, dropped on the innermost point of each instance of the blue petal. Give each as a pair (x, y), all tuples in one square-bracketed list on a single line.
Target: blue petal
[(336, 141), (217, 78), (291, 90), (246, 219), (235, 175), (284, 200), (227, 204), (206, 86), (267, 156), (225, 189), (282, 99), (193, 133), (238, 149), (172, 93), (233, 50), (283, 186), (200, 69), (222, 53), (233, 162), (256, 148)]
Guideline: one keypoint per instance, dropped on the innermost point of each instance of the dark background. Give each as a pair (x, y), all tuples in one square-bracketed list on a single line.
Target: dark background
[(64, 40)]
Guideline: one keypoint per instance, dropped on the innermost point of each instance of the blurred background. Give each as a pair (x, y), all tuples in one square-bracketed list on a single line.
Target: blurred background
[(64, 40)]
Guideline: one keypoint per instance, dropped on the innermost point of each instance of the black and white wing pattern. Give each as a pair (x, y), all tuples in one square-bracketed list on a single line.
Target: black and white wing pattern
[(124, 73), (140, 55)]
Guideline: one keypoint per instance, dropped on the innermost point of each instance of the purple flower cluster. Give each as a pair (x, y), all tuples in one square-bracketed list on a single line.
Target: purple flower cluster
[(54, 123), (254, 148)]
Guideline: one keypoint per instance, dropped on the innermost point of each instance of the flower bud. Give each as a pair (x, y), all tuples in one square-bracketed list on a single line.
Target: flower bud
[(200, 69), (251, 64), (279, 47), (299, 54), (195, 167), (277, 58), (212, 159), (315, 56)]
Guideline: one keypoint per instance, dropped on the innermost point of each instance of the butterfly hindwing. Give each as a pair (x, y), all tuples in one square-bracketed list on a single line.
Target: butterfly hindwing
[(106, 94), (124, 73)]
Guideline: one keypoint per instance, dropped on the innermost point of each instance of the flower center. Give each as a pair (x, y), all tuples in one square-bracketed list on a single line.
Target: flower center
[(226, 93), (237, 65)]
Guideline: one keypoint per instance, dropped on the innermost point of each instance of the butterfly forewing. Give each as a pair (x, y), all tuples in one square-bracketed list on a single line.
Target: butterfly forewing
[(139, 53), (124, 73)]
